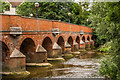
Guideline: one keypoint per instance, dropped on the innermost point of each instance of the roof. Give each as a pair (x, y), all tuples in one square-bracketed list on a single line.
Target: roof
[(15, 3)]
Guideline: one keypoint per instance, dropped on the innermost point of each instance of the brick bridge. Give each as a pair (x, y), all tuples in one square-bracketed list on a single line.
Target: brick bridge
[(39, 39)]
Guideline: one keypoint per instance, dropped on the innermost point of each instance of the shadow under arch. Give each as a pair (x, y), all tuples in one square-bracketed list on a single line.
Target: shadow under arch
[(78, 41), (88, 38), (83, 38), (47, 44), (61, 42), (4, 56), (28, 49), (70, 41)]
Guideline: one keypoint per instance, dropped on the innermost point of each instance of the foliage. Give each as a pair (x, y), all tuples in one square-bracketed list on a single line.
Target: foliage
[(109, 68), (55, 11), (4, 6), (105, 48), (105, 20)]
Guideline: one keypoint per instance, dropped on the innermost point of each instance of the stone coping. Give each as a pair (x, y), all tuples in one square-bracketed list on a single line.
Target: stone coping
[(55, 59), (24, 73), (38, 64)]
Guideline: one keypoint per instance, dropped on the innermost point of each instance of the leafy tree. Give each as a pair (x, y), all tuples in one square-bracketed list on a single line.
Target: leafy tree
[(105, 20), (4, 6), (54, 11)]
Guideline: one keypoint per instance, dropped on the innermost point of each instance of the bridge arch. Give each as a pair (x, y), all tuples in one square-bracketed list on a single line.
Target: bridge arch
[(47, 44), (83, 38), (70, 41), (61, 42), (5, 51), (28, 48), (78, 39), (88, 38)]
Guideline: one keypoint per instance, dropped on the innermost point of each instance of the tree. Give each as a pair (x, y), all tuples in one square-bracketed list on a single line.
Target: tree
[(105, 20), (54, 11), (4, 6)]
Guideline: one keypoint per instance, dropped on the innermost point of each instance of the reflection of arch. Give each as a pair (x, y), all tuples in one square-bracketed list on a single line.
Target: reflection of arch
[(47, 44), (83, 38), (28, 48), (70, 41), (88, 38), (60, 42), (5, 51), (78, 40)]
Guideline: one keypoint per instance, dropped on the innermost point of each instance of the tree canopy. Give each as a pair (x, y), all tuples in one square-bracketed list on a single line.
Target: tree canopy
[(4, 6), (56, 11)]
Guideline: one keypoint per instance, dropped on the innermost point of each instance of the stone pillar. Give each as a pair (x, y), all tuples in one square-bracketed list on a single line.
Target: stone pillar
[(82, 45), (57, 51), (91, 44), (76, 46), (87, 44), (17, 61), (67, 48), (41, 54)]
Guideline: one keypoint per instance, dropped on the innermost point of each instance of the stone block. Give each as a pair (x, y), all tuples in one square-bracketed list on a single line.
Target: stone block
[(17, 61)]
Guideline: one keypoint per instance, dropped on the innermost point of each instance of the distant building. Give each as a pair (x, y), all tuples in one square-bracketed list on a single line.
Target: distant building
[(13, 5)]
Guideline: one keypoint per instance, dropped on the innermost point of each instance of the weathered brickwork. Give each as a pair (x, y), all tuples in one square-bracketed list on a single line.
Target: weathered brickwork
[(39, 32)]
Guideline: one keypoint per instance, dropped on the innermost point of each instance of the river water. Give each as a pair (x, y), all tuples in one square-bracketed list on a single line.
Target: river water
[(71, 68)]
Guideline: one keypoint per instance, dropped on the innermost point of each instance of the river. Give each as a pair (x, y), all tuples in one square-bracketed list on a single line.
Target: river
[(71, 68)]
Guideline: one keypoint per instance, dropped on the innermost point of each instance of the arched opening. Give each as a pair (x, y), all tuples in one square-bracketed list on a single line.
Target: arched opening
[(88, 38), (4, 56), (78, 40), (28, 49), (47, 44), (5, 52), (60, 42), (83, 38), (70, 41)]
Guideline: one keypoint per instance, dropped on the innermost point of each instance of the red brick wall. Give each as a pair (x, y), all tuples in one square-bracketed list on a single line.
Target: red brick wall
[(38, 24)]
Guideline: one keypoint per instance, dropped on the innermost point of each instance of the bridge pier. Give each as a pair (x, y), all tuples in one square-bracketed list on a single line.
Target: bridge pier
[(82, 44), (40, 55), (76, 46), (91, 44), (57, 51), (17, 61), (15, 65), (87, 44), (67, 48)]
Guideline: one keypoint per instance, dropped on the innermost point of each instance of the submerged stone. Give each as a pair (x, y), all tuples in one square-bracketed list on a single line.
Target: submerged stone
[(68, 56), (55, 59), (76, 53), (39, 64), (23, 73)]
